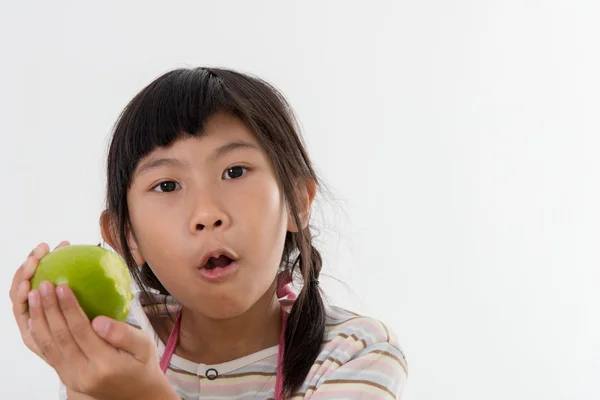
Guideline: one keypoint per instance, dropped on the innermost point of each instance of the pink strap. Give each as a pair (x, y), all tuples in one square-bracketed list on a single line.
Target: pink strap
[(283, 290), (171, 344), (280, 349)]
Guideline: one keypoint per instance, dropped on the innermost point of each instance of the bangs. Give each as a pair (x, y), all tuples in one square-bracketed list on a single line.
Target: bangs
[(176, 105)]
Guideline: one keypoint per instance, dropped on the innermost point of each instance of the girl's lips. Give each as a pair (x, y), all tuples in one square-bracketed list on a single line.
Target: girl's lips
[(219, 273)]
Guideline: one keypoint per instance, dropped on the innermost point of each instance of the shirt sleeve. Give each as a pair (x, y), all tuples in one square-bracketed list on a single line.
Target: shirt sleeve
[(377, 372)]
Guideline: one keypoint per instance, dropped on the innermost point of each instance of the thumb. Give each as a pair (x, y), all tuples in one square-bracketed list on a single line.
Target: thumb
[(123, 336)]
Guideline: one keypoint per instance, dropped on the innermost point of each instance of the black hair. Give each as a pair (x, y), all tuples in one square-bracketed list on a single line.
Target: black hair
[(179, 103)]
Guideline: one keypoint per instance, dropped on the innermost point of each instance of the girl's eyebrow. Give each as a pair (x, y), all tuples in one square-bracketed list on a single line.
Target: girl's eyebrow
[(174, 162), (157, 163), (231, 146)]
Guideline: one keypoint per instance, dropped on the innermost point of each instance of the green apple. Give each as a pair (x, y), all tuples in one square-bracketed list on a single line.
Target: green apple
[(98, 277)]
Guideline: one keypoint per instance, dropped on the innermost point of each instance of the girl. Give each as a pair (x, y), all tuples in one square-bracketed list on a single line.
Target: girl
[(209, 190)]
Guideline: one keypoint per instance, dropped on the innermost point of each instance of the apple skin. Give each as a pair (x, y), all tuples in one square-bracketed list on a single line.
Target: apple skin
[(98, 277)]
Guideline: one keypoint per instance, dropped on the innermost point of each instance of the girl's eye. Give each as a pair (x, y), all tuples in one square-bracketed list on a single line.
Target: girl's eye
[(234, 172), (167, 186)]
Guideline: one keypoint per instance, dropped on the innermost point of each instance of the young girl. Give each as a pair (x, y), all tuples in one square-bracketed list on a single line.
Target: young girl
[(209, 193)]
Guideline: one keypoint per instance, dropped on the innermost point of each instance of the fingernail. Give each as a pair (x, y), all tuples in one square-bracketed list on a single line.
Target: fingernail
[(39, 251), (101, 326), (30, 265), (60, 292), (36, 251), (45, 288), (33, 300)]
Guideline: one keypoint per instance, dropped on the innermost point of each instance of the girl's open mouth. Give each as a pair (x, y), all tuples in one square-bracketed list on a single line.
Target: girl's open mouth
[(218, 268), (219, 262)]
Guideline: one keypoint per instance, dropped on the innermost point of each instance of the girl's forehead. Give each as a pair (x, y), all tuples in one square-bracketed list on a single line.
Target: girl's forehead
[(222, 123), (219, 129)]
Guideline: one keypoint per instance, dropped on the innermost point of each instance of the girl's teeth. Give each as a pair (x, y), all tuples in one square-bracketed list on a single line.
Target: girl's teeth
[(220, 262)]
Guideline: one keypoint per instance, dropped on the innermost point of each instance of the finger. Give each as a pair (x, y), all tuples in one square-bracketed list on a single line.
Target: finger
[(41, 250), (20, 288), (25, 271), (64, 243), (59, 330), (124, 337), (40, 331), (20, 307), (33, 260), (79, 324), (16, 281)]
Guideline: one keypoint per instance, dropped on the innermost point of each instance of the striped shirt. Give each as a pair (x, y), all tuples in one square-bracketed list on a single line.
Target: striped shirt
[(360, 359)]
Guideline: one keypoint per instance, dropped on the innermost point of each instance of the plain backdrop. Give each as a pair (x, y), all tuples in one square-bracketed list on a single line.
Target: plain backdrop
[(460, 140)]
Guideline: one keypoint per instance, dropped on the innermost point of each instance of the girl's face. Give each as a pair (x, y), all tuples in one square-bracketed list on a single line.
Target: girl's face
[(218, 191)]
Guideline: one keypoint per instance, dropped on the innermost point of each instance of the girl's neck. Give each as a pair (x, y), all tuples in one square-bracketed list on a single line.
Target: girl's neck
[(209, 341)]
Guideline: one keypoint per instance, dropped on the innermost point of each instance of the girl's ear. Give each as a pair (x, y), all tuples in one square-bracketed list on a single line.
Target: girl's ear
[(110, 234), (306, 192)]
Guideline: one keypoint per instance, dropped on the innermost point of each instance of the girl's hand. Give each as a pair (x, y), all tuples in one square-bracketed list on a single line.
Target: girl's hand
[(105, 359), (20, 288)]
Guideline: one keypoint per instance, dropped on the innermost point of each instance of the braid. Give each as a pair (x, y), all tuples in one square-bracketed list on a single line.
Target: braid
[(306, 322)]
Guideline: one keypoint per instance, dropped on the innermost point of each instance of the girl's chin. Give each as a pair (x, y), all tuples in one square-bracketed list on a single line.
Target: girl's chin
[(228, 305)]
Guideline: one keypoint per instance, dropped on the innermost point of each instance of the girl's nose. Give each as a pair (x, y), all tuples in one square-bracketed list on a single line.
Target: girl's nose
[(216, 224), (208, 212), (209, 218)]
